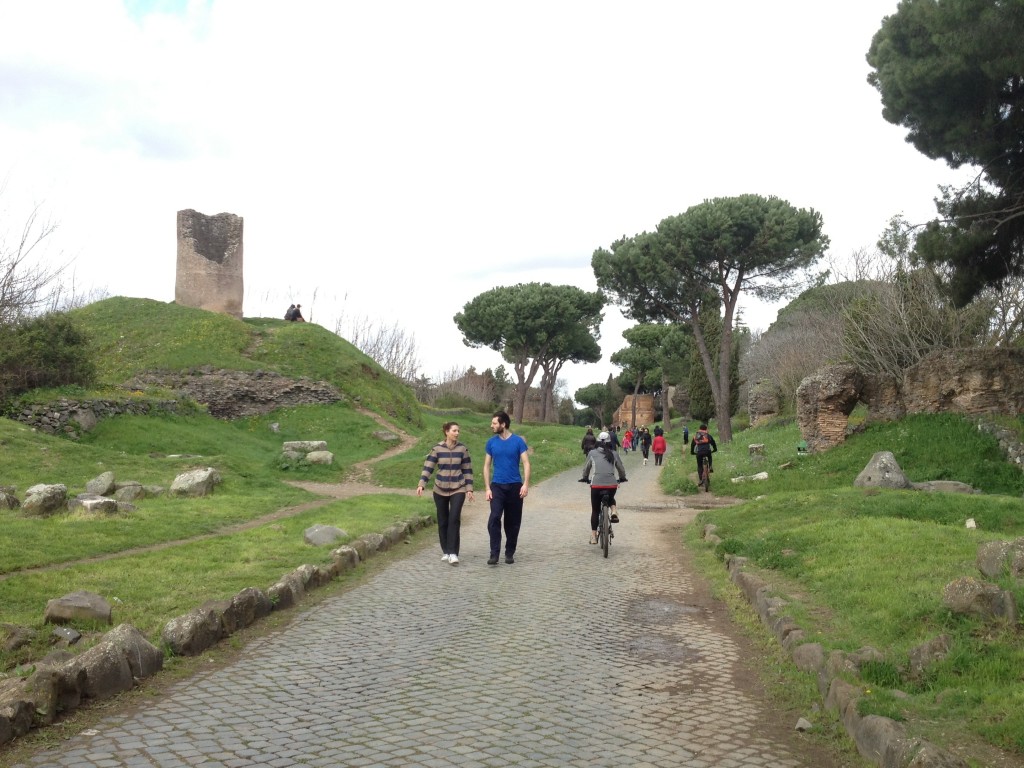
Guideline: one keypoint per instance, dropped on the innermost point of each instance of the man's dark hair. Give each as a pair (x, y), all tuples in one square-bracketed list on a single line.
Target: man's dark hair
[(703, 426), (502, 418)]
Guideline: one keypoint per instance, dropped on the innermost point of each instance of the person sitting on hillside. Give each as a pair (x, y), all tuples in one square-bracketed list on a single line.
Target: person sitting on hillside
[(297, 315)]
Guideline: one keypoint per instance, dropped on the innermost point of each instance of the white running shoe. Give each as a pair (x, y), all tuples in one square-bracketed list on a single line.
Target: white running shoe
[(453, 559), (445, 558), (645, 462)]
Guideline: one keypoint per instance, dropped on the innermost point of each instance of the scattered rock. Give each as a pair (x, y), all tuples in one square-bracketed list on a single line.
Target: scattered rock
[(101, 485), (321, 535), (197, 482), (77, 606), (882, 471), (973, 597), (44, 499)]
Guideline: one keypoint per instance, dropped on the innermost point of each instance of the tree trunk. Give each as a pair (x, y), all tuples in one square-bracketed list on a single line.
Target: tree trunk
[(666, 404)]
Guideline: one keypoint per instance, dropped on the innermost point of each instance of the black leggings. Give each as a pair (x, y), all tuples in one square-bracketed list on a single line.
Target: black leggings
[(449, 520), (595, 504)]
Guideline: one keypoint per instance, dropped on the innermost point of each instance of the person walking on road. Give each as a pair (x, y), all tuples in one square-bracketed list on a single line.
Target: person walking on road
[(659, 447), (507, 489), (645, 442), (608, 473), (452, 484), (589, 442)]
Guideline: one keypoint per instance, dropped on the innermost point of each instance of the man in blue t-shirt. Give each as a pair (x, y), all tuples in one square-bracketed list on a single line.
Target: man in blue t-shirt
[(507, 489)]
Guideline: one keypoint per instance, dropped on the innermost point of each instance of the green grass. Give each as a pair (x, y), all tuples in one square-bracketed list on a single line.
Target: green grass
[(866, 567)]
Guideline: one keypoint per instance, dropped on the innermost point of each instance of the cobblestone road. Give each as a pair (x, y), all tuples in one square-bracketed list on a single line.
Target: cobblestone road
[(561, 659)]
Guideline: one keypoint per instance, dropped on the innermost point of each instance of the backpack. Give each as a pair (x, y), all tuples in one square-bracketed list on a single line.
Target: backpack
[(701, 439)]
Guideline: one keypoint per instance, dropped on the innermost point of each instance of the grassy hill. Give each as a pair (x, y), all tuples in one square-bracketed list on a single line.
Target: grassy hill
[(129, 336)]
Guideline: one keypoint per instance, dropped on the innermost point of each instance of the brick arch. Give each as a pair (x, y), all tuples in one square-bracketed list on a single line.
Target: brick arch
[(824, 403)]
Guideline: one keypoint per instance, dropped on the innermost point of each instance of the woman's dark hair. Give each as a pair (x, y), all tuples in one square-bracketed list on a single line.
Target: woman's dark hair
[(448, 425)]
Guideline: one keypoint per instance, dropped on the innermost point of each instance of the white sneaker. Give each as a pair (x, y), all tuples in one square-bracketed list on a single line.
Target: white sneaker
[(453, 559), (645, 462), (445, 558)]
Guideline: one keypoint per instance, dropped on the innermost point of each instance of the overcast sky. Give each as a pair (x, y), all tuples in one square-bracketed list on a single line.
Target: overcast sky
[(393, 159)]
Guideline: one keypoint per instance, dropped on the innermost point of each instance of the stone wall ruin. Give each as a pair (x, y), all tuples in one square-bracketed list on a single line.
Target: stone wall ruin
[(973, 381), (209, 270)]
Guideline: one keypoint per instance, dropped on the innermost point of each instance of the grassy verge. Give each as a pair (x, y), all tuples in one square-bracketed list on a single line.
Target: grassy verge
[(867, 568)]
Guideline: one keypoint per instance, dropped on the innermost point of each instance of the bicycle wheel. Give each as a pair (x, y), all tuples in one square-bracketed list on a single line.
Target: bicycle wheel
[(705, 476), (604, 526)]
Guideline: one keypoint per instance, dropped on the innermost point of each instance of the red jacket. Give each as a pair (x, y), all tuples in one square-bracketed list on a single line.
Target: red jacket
[(659, 445)]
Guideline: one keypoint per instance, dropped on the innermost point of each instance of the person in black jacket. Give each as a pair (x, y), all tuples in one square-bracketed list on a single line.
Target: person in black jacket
[(703, 444), (589, 441)]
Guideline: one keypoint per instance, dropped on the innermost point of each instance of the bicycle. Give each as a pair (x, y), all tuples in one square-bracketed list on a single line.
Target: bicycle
[(605, 533), (704, 474)]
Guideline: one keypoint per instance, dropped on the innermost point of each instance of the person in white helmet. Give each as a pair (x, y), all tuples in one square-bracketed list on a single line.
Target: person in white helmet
[(608, 472)]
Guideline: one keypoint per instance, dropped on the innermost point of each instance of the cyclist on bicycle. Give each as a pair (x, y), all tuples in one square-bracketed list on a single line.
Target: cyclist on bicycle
[(606, 466), (703, 444)]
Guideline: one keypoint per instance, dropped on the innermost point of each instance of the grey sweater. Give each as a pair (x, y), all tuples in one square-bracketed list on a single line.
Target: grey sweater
[(607, 474)]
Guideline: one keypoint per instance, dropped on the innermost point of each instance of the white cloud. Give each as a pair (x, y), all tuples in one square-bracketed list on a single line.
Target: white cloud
[(397, 158)]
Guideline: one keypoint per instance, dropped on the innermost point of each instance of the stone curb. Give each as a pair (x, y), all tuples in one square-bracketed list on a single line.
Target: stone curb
[(881, 740), (29, 703)]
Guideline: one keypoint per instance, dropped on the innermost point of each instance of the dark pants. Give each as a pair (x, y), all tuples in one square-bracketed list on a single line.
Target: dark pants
[(595, 504), (505, 501), (644, 449), (657, 459), (699, 457), (449, 520)]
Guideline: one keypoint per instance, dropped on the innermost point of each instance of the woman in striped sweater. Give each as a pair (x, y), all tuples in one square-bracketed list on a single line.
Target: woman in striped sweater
[(452, 483)]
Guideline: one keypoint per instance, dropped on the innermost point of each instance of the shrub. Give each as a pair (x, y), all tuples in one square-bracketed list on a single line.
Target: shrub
[(45, 351)]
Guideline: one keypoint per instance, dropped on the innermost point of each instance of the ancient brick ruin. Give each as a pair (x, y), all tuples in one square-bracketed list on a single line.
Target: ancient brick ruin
[(644, 411), (209, 273), (973, 381)]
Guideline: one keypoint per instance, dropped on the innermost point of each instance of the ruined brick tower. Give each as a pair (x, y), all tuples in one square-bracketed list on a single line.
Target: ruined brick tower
[(209, 274)]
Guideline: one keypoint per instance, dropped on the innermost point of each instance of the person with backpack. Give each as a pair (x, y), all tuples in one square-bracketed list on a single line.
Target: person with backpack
[(290, 312), (589, 442), (703, 444)]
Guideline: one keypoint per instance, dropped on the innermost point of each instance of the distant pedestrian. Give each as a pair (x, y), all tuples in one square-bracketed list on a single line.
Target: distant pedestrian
[(589, 442), (659, 446), (686, 434), (290, 312), (614, 435), (297, 314), (645, 443), (452, 484), (627, 441), (507, 489)]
